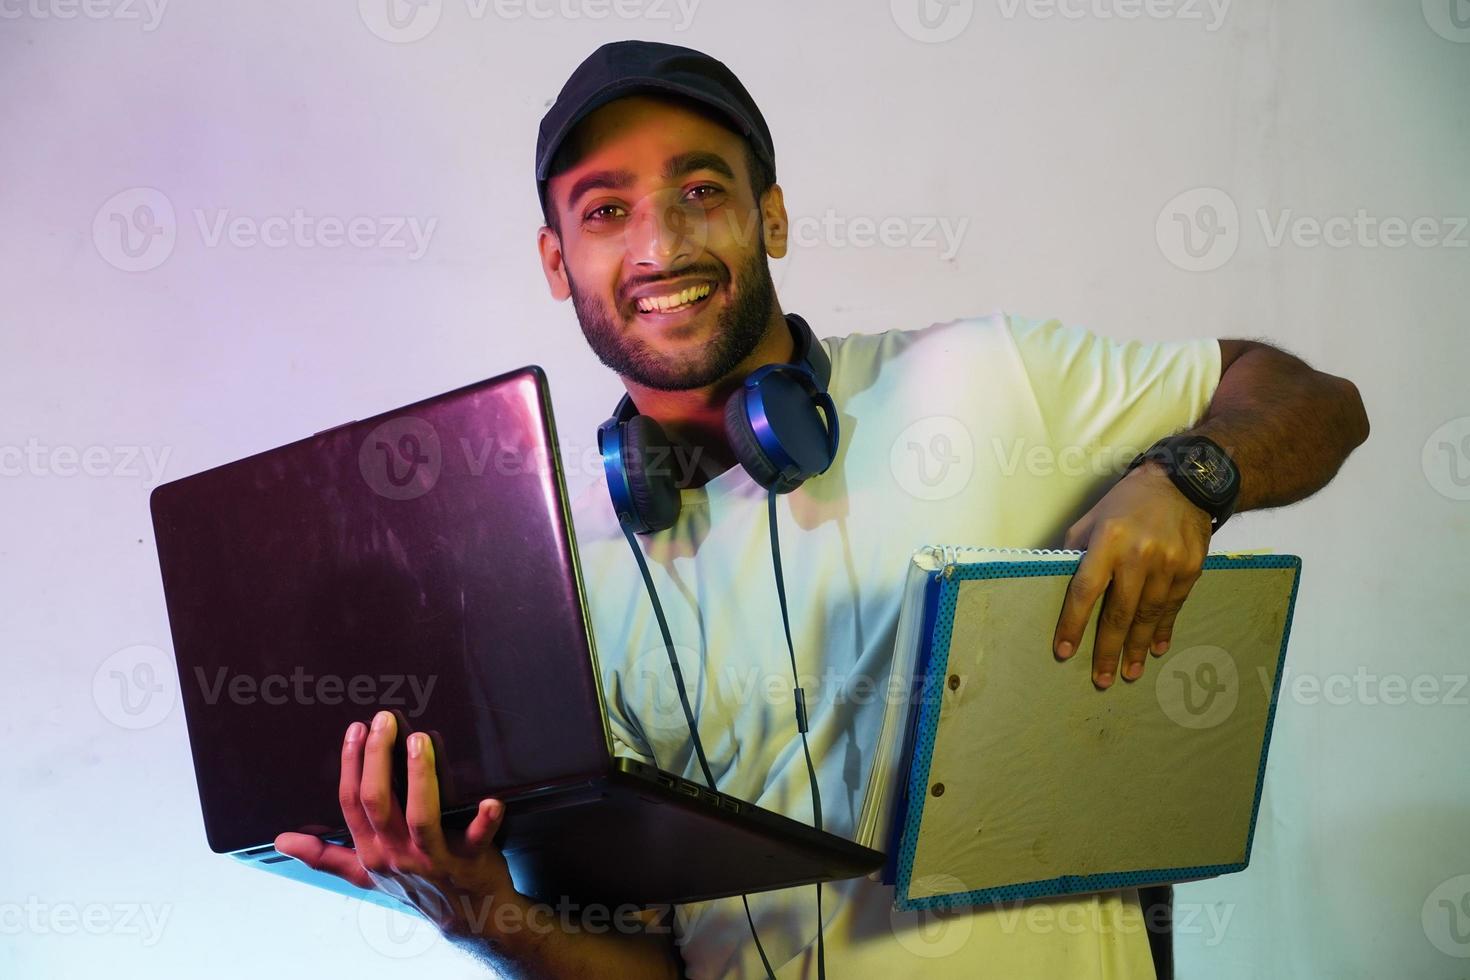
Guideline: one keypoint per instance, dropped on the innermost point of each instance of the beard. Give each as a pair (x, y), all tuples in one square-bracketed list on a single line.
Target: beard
[(738, 330)]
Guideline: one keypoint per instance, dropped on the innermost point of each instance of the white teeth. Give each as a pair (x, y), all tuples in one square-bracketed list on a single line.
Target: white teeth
[(673, 301)]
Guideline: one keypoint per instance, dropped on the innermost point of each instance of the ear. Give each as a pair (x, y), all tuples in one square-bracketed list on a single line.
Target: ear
[(774, 222), (553, 263)]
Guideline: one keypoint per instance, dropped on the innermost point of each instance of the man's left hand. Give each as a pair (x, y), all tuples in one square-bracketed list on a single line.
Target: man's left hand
[(1145, 547)]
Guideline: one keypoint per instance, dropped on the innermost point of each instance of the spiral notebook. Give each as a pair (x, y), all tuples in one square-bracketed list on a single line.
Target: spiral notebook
[(1006, 775)]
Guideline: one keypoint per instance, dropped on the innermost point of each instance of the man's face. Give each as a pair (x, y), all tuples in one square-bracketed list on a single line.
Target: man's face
[(663, 246)]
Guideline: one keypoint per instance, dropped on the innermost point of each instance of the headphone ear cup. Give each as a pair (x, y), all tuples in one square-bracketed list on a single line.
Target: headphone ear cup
[(648, 463), (747, 448)]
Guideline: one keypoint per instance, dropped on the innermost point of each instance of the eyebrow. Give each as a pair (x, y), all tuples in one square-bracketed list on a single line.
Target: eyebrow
[(676, 166)]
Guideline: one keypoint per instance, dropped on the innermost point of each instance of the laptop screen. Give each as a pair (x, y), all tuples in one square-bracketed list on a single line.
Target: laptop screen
[(418, 561)]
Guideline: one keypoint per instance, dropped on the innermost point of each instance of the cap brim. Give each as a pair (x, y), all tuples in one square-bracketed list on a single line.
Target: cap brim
[(618, 89)]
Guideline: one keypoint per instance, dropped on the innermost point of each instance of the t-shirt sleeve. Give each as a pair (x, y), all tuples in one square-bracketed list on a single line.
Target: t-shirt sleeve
[(1104, 396), (627, 734), (627, 747)]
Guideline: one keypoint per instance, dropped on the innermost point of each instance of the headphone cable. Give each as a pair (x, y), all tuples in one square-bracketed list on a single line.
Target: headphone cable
[(801, 716), (799, 696), (663, 626)]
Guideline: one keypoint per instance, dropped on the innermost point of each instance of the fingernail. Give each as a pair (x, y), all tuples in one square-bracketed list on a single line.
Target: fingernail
[(1132, 671), (380, 721), (1103, 680), (1161, 648), (354, 732), (1064, 649)]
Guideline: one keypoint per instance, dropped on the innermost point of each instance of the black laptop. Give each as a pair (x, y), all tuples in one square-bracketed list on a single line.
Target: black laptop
[(423, 561)]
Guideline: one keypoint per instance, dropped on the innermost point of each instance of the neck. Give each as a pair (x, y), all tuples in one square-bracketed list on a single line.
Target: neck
[(694, 418)]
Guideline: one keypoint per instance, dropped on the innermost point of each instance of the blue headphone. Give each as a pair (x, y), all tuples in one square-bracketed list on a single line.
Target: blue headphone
[(774, 423)]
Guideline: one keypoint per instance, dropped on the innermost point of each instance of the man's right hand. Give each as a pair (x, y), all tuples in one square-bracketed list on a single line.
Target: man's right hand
[(462, 885), (455, 884)]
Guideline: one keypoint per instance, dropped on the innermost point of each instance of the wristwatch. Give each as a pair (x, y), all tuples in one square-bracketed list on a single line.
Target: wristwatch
[(1201, 470)]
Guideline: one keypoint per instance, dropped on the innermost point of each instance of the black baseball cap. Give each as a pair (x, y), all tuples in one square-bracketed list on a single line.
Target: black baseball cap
[(621, 68)]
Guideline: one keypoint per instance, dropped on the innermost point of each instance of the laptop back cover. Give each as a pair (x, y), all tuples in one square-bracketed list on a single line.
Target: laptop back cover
[(418, 561)]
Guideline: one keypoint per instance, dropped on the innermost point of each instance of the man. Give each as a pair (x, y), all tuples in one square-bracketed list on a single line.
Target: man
[(661, 208)]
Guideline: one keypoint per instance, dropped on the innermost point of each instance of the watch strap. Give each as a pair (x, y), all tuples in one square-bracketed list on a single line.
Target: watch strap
[(1167, 451)]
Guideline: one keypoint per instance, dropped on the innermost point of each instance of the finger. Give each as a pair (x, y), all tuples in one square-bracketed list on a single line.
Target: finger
[(1083, 591), (349, 788), (1077, 534), (1164, 632), (383, 811), (481, 831), (1118, 608), (424, 828), (332, 858), (1152, 603)]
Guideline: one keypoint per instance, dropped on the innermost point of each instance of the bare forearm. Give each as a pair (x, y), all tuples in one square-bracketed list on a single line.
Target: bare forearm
[(538, 942), (1288, 427)]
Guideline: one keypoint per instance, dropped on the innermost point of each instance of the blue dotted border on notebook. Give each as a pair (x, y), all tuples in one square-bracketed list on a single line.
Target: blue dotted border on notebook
[(929, 704)]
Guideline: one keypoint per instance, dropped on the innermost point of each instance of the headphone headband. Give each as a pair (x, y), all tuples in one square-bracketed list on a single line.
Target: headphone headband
[(809, 352)]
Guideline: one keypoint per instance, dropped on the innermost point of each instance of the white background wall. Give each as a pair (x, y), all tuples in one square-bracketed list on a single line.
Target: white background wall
[(1058, 144)]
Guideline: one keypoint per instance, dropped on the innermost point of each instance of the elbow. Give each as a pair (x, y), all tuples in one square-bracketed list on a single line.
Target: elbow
[(1354, 412)]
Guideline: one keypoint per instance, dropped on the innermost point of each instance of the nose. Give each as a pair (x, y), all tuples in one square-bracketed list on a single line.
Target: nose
[(665, 232)]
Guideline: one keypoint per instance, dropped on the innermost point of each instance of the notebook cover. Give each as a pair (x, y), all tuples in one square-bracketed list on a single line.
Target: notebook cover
[(1005, 782)]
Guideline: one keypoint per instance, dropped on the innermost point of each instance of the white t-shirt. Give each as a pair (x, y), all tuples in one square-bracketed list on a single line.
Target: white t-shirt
[(993, 430)]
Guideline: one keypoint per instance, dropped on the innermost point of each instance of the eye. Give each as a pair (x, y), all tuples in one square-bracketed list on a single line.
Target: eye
[(601, 213), (709, 191)]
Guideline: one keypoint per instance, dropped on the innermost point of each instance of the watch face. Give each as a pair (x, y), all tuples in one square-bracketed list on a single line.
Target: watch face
[(1207, 470)]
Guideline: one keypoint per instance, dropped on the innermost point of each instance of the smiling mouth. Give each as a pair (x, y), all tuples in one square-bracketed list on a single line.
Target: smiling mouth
[(674, 302)]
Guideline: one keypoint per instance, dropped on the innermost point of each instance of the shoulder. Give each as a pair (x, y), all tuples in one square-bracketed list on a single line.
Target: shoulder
[(1003, 344), (1070, 358), (593, 516), (941, 352), (858, 355)]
